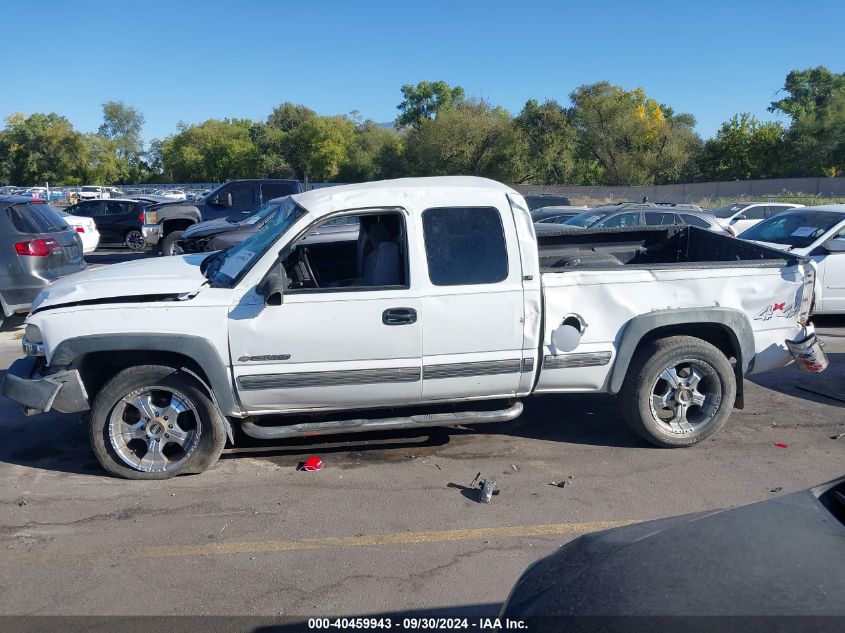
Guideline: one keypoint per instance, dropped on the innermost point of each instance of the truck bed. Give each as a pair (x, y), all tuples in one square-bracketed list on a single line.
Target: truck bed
[(652, 248)]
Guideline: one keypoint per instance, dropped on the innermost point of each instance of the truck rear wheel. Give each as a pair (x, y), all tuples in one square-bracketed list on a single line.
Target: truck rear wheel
[(168, 244), (679, 391), (155, 422)]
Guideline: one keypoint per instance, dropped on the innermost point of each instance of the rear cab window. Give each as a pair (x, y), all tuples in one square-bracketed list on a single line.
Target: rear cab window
[(464, 245), (35, 218)]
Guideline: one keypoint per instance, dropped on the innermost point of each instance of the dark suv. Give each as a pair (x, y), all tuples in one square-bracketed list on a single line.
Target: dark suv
[(36, 247), (119, 220)]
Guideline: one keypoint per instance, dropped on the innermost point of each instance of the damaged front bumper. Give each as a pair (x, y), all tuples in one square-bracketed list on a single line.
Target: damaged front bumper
[(39, 392), (808, 352), (151, 233)]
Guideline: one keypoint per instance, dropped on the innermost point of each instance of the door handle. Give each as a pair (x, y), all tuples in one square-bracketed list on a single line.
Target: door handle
[(399, 316)]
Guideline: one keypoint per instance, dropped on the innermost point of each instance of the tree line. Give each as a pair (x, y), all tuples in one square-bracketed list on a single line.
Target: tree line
[(605, 135)]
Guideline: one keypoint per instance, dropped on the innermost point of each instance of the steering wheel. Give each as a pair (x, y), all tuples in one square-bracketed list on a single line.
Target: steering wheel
[(303, 257)]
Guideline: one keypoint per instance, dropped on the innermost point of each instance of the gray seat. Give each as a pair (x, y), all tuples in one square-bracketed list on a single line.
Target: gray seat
[(382, 265)]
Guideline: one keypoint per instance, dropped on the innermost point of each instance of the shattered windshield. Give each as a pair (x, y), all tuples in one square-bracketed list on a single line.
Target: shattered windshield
[(225, 268)]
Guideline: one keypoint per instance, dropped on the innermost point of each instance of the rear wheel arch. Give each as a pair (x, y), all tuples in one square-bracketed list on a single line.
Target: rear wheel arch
[(727, 329)]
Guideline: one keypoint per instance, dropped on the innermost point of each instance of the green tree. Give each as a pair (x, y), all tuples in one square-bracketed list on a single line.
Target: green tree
[(473, 138), (425, 100), (41, 147), (550, 138), (122, 125), (744, 149), (815, 140), (627, 138), (213, 151), (320, 146), (375, 153)]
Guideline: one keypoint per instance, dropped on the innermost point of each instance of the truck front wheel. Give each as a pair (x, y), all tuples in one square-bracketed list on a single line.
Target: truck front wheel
[(679, 391), (168, 243), (155, 422)]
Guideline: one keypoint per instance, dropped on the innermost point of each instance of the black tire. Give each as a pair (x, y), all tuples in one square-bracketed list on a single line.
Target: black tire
[(167, 244), (209, 432), (644, 379), (134, 240)]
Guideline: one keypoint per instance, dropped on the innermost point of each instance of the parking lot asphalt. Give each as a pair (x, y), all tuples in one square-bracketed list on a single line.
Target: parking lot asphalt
[(388, 526)]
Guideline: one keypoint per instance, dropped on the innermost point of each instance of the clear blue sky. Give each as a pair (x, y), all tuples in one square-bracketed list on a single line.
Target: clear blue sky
[(192, 61)]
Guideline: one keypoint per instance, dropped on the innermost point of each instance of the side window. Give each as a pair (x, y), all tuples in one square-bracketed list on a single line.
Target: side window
[(774, 210), (693, 220), (659, 219), (366, 251), (91, 209), (464, 245), (754, 213), (275, 190), (621, 220), (117, 208), (241, 194)]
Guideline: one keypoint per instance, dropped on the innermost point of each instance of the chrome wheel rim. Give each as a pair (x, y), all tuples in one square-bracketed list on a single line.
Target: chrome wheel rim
[(154, 429), (686, 396), (135, 240)]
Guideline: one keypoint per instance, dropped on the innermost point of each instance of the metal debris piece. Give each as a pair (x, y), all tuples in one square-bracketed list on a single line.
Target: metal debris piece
[(838, 436), (778, 489), (515, 468), (486, 488), (560, 484)]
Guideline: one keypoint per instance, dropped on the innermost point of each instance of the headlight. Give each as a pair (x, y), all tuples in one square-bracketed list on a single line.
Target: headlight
[(32, 343)]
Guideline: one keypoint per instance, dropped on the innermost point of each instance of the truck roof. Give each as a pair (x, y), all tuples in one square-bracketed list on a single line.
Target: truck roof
[(427, 192)]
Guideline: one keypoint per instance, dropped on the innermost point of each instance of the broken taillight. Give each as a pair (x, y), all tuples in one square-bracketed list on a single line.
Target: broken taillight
[(80, 229)]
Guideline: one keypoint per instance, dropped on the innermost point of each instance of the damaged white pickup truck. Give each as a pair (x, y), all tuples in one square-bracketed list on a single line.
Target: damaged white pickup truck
[(408, 303)]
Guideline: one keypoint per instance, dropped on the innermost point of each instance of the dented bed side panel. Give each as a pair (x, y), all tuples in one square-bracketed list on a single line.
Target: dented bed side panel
[(606, 302)]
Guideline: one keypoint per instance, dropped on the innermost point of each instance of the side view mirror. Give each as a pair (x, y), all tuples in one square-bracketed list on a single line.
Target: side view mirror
[(740, 217), (272, 288), (836, 245), (223, 200)]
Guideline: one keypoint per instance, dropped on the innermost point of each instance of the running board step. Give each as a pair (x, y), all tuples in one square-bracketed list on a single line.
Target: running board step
[(363, 424)]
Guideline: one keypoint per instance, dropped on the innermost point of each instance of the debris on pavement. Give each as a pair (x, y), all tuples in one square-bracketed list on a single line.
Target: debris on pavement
[(778, 489), (781, 445), (21, 502), (486, 488), (837, 436), (515, 468), (312, 464), (560, 484)]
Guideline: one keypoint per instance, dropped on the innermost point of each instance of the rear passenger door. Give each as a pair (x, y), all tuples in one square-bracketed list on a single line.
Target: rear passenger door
[(472, 303), (119, 219)]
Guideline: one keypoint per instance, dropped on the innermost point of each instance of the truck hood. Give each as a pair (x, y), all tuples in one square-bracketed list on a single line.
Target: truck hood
[(154, 278)]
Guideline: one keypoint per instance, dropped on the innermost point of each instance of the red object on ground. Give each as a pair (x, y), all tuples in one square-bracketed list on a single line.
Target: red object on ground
[(780, 445), (312, 464)]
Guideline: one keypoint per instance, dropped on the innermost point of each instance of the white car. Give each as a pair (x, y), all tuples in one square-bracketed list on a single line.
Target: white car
[(171, 194), (87, 231), (739, 216), (444, 296), (93, 192), (817, 233)]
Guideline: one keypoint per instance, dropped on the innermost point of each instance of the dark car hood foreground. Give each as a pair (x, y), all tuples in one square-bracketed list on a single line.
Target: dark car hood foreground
[(210, 227), (783, 556)]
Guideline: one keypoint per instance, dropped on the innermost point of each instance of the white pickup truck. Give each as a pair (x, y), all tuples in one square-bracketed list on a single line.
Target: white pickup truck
[(442, 308)]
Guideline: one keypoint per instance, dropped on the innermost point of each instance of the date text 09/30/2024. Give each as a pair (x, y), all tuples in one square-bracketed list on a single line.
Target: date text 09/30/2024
[(414, 624)]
